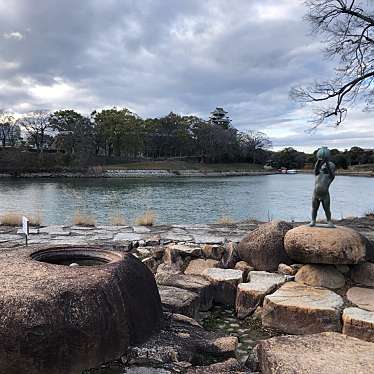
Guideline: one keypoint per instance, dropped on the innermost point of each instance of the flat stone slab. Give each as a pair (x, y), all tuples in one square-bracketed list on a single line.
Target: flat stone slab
[(196, 267), (362, 297), (325, 353), (298, 309), (128, 236), (363, 274), (250, 295), (192, 283), (359, 323), (225, 283), (321, 245), (186, 250), (178, 300)]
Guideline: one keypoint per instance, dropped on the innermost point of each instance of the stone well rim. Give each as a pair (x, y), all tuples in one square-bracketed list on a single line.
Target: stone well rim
[(54, 255)]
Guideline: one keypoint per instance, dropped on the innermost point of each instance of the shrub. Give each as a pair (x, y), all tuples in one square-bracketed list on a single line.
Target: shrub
[(118, 219), (81, 219), (146, 219), (225, 220), (11, 219)]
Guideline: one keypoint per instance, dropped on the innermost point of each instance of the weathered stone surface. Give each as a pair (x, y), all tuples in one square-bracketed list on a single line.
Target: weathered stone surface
[(193, 283), (186, 250), (250, 295), (213, 251), (358, 323), (344, 269), (225, 282), (362, 297), (244, 267), (230, 366), (263, 248), (298, 309), (196, 267), (321, 245), (171, 269), (181, 339), (325, 353), (363, 274), (320, 276), (286, 269), (52, 315), (178, 300)]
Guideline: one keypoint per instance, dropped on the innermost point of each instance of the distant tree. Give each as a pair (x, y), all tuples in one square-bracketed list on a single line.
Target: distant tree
[(253, 141), (75, 132), (37, 124), (289, 158), (347, 28), (10, 133)]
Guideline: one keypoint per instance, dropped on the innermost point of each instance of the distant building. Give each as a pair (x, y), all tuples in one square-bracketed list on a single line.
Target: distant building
[(219, 117)]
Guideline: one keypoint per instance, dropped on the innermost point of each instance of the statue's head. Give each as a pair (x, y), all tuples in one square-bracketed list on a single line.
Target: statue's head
[(323, 154)]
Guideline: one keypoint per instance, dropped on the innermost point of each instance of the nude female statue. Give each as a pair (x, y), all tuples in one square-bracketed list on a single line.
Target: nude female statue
[(324, 171)]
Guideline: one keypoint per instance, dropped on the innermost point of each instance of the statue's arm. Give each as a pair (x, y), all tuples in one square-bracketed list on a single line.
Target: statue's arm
[(331, 172), (317, 167)]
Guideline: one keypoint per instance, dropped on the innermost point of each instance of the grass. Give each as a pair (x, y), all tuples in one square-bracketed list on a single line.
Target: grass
[(118, 219), (15, 219), (81, 219), (225, 220), (183, 165), (146, 219), (370, 213)]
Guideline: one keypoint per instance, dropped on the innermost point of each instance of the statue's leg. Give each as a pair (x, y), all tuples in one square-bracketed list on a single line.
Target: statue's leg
[(315, 206), (326, 207)]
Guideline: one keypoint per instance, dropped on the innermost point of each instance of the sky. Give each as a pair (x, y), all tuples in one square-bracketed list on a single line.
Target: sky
[(158, 56)]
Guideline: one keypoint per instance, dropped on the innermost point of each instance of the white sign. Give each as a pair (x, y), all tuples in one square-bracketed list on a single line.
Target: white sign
[(25, 226)]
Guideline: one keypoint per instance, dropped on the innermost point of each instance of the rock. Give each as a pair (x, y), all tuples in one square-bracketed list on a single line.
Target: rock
[(286, 269), (299, 309), (196, 267), (362, 297), (363, 274), (325, 353), (359, 323), (225, 282), (52, 315), (213, 251), (250, 295), (172, 257), (321, 245), (344, 269), (186, 250), (192, 283), (320, 276), (263, 247), (181, 339), (151, 263), (170, 269), (230, 256), (230, 366), (244, 267), (178, 300)]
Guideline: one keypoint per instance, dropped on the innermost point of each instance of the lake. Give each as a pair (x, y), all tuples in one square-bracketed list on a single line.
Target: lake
[(183, 200)]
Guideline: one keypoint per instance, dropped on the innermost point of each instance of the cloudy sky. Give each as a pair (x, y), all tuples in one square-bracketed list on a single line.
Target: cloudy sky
[(157, 56)]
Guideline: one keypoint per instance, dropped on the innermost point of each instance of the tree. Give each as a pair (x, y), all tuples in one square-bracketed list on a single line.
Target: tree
[(37, 124), (348, 29), (75, 132), (10, 132), (251, 142)]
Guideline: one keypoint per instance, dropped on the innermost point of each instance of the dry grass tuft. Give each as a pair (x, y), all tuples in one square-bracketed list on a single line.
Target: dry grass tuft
[(146, 219), (11, 219), (81, 219), (370, 213), (225, 220), (36, 219), (118, 219)]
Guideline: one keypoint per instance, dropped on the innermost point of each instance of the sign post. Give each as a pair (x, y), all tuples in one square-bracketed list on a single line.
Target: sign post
[(25, 227)]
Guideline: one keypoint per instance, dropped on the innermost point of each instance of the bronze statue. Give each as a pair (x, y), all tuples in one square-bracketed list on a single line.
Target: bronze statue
[(324, 171)]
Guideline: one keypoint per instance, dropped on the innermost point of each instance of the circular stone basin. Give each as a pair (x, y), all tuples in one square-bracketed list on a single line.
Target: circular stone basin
[(60, 319)]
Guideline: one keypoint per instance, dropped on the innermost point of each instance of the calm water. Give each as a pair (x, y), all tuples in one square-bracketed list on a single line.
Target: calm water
[(183, 200)]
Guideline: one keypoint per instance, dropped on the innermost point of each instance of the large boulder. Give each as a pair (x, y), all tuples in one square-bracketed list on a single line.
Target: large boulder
[(322, 245), (320, 276), (250, 295), (196, 267), (225, 283), (362, 297), (263, 247), (325, 353), (363, 274), (59, 319), (359, 323), (298, 309)]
